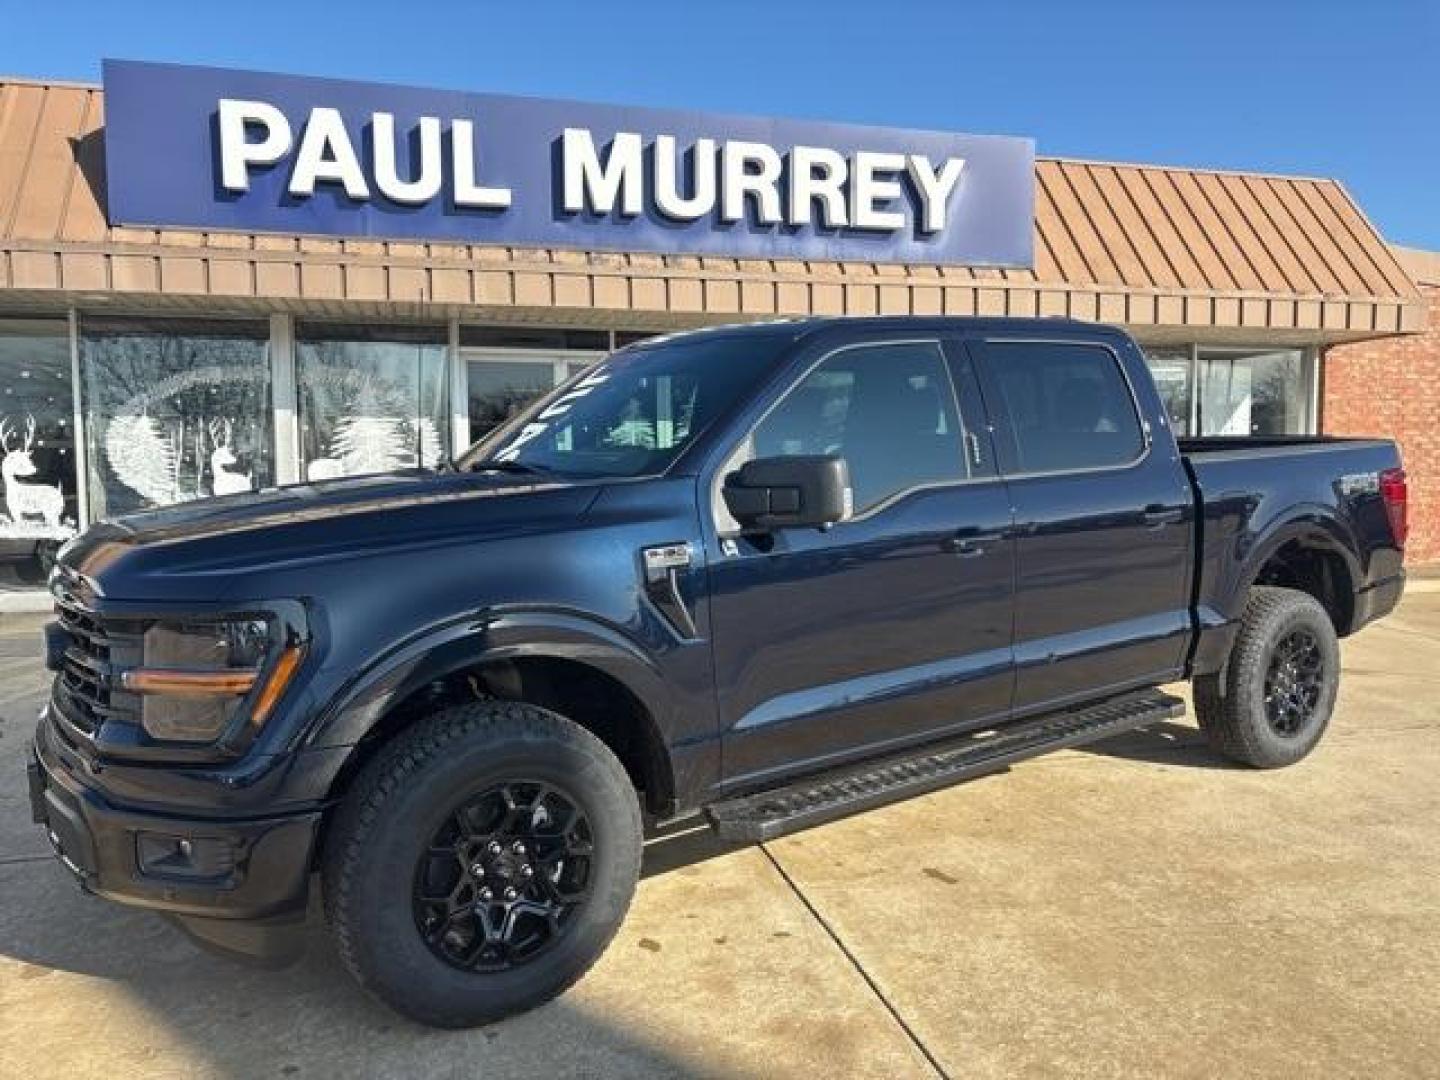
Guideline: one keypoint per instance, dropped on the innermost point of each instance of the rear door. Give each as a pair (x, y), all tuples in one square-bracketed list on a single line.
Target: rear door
[(891, 626), (1102, 517)]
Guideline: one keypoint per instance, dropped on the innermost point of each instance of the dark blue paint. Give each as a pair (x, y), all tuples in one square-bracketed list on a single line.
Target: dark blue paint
[(809, 648), (162, 169)]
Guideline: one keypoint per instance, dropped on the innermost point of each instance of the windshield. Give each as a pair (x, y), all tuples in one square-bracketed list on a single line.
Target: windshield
[(634, 412)]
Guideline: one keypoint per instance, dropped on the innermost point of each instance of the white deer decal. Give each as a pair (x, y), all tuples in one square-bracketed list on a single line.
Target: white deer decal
[(27, 500), (222, 458)]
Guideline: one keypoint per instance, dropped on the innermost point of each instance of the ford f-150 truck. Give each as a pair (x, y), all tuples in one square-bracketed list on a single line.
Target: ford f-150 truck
[(773, 574)]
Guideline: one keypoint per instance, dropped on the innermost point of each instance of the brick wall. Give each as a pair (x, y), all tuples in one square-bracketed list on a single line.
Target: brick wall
[(1391, 387)]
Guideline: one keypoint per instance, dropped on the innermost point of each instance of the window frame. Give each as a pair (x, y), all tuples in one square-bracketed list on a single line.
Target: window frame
[(730, 458), (558, 361), (1007, 446)]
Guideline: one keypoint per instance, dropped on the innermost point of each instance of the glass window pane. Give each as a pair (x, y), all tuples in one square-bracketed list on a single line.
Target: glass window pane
[(500, 389), (634, 412), (1254, 392), (1171, 371), (174, 410), (1069, 406), (37, 449), (372, 399), (888, 410)]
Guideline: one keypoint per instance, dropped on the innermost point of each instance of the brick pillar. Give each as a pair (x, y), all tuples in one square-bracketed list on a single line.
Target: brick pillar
[(1391, 387)]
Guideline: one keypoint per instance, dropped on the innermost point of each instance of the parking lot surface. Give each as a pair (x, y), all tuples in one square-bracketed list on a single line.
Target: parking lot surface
[(1136, 908)]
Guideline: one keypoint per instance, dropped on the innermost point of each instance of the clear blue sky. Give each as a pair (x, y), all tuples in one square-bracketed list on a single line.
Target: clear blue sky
[(1311, 87)]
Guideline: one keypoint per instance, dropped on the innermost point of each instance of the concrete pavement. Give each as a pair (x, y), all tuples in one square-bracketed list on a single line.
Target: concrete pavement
[(1134, 909)]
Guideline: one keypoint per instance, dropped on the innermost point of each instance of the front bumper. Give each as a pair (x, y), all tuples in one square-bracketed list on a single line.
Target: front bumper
[(234, 869)]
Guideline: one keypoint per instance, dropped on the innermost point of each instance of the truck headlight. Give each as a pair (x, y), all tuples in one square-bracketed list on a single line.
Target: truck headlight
[(197, 674)]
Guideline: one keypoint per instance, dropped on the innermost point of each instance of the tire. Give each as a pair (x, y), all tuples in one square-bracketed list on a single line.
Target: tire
[(1262, 711), (439, 780)]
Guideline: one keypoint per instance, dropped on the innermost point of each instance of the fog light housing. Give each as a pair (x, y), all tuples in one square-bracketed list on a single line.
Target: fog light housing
[(183, 857)]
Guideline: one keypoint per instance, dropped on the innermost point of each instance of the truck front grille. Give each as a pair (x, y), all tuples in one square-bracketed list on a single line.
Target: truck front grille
[(85, 691)]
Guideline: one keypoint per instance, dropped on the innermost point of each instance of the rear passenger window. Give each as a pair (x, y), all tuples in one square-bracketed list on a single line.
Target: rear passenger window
[(1069, 406), (888, 409)]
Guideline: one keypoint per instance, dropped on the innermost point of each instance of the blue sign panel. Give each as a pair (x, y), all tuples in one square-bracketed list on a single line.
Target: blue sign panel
[(209, 148)]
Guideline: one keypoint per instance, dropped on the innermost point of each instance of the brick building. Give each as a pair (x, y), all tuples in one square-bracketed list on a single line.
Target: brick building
[(1391, 386), (142, 364)]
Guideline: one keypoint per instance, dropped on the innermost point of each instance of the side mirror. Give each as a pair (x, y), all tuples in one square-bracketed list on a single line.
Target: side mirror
[(789, 492)]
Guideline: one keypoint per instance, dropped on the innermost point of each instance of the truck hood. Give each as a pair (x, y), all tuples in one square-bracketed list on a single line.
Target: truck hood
[(240, 545)]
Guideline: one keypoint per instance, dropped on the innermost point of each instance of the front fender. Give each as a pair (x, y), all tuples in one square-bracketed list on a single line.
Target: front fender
[(452, 647)]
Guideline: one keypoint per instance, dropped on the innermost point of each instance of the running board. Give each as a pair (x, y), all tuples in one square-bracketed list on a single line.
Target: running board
[(827, 796)]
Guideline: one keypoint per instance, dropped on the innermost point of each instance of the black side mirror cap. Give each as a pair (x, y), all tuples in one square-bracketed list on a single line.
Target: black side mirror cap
[(802, 491)]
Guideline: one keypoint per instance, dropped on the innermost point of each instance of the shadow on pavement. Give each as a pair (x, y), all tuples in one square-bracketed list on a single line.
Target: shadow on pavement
[(1164, 743), (115, 982)]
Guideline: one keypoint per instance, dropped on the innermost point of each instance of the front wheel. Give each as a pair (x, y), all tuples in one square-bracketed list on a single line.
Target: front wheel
[(1278, 690), (482, 863)]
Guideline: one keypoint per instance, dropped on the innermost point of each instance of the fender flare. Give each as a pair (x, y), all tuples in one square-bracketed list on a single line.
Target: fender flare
[(1315, 527), (443, 650)]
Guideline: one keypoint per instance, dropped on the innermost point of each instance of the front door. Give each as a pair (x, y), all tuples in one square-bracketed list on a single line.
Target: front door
[(891, 626), (1102, 520)]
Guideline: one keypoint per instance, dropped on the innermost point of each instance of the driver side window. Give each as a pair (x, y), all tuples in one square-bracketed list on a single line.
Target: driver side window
[(888, 409)]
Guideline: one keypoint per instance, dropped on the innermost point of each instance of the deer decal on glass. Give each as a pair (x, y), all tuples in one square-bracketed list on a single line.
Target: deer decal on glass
[(23, 498), (223, 459)]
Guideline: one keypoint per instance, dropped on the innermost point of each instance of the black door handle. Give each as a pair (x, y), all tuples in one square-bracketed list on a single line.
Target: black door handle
[(1157, 516)]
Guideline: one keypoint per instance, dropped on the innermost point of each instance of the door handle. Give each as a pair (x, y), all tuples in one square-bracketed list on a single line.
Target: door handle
[(969, 545), (1157, 516)]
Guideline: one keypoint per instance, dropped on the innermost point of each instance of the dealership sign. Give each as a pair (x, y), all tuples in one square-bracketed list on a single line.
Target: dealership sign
[(216, 149)]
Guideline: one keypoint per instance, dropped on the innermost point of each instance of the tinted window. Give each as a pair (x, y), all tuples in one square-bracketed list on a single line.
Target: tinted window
[(1069, 406), (887, 409)]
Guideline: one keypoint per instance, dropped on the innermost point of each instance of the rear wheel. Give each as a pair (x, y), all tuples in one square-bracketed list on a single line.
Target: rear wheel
[(482, 863), (1275, 697)]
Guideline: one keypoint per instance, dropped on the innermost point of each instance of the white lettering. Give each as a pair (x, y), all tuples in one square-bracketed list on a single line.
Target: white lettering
[(591, 186), (236, 153), (764, 185), (668, 199), (426, 185), (818, 173), (327, 154), (467, 191), (934, 188), (871, 191)]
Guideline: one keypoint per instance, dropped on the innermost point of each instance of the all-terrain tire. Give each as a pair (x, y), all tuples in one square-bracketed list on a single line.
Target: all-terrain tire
[(1234, 708), (390, 816)]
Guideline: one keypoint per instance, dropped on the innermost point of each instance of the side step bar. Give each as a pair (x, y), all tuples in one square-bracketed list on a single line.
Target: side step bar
[(827, 796)]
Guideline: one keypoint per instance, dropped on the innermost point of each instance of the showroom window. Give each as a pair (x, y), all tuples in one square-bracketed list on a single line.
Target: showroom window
[(506, 368), (1236, 391), (371, 398), (38, 498), (174, 410)]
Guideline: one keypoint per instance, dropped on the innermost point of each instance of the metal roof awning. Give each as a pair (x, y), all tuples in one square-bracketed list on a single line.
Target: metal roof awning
[(1172, 253)]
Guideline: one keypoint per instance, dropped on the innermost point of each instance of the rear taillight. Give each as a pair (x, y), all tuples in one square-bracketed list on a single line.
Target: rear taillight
[(1396, 497)]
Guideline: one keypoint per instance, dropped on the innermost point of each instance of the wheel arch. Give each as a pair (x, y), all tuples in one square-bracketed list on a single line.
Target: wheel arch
[(1313, 554), (571, 665)]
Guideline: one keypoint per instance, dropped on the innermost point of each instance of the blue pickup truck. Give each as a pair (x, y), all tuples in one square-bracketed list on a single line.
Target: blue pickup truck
[(772, 574)]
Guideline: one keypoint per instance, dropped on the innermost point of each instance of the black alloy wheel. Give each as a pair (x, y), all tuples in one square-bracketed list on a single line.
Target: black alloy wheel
[(503, 876), (1272, 702), (1294, 683), (480, 862)]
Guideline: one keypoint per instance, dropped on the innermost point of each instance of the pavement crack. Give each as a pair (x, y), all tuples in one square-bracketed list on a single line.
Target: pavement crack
[(909, 1031)]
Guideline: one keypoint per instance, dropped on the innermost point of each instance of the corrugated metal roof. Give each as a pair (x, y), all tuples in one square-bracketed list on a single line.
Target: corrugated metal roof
[(1145, 245)]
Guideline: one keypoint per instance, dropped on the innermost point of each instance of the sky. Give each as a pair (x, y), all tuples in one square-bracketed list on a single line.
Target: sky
[(1312, 88)]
